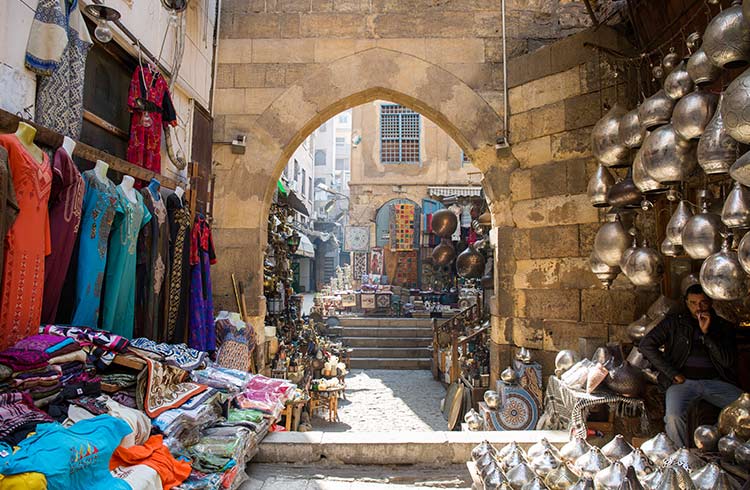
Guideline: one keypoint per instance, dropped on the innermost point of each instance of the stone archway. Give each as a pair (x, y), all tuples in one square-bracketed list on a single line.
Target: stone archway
[(245, 183)]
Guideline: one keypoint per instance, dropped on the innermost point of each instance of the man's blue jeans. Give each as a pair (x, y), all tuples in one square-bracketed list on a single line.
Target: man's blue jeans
[(680, 396)]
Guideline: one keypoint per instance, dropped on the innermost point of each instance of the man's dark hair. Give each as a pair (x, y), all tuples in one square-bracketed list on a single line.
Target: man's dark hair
[(695, 289)]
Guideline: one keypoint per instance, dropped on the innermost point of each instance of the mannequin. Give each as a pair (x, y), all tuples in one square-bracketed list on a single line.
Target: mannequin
[(154, 186), (127, 188), (101, 170), (25, 134), (179, 191), (69, 146)]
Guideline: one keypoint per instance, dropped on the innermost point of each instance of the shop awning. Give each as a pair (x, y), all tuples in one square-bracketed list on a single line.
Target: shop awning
[(305, 248), (455, 191), (296, 203)]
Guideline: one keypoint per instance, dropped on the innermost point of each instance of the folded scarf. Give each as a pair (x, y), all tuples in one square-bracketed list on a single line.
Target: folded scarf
[(23, 360), (75, 356)]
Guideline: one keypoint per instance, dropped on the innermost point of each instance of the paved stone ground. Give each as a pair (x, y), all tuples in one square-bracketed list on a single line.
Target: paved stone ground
[(352, 477), (388, 401)]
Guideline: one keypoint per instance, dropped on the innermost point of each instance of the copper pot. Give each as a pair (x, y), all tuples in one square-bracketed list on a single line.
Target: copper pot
[(444, 223), (727, 38), (716, 149), (444, 253), (605, 139), (736, 416), (470, 263)]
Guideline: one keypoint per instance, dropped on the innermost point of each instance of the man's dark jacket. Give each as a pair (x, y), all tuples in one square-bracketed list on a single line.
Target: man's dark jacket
[(675, 333)]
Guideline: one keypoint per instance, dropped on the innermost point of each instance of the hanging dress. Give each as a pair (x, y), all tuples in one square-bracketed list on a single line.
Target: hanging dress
[(8, 206), (152, 272), (179, 282), (202, 256), (65, 203), (59, 97), (100, 204), (118, 305), (150, 88), (27, 243)]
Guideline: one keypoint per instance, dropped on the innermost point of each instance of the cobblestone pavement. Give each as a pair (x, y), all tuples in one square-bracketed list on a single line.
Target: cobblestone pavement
[(379, 400), (352, 477)]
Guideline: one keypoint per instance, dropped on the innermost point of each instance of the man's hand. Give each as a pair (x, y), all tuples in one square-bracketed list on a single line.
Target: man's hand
[(704, 322), (679, 379)]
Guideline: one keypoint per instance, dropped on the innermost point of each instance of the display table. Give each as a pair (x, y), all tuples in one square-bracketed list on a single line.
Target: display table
[(328, 398), (568, 409)]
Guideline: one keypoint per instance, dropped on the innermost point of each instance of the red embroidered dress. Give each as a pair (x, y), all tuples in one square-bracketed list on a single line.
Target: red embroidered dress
[(26, 245), (144, 147)]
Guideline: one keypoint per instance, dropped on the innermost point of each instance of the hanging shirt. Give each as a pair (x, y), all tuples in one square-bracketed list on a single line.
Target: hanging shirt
[(71, 459)]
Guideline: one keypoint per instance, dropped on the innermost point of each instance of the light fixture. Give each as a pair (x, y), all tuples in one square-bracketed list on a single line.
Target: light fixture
[(103, 15)]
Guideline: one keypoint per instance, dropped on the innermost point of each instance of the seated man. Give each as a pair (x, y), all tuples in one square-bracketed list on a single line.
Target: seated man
[(697, 363)]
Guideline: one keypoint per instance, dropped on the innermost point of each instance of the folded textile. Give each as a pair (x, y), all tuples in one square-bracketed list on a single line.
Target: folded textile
[(139, 477), (76, 356), (125, 398), (95, 405), (58, 408), (41, 373), (165, 388), (225, 379), (52, 350), (100, 338), (22, 360), (179, 355), (17, 409), (41, 342), (153, 453), (136, 419), (23, 481), (123, 380)]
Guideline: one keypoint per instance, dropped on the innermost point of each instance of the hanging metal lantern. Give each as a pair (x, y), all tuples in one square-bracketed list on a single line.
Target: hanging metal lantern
[(701, 236), (642, 180), (734, 109), (693, 113), (740, 170), (605, 139), (605, 273), (611, 241), (743, 253), (667, 158), (628, 251), (470, 263), (693, 41), (722, 276), (677, 223), (670, 61), (670, 249), (444, 223), (678, 83), (736, 210), (655, 110), (700, 68), (625, 194), (631, 133), (644, 267), (716, 149), (599, 184), (727, 38), (444, 253)]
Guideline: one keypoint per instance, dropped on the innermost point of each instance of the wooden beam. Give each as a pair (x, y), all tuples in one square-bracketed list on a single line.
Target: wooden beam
[(98, 121), (47, 137)]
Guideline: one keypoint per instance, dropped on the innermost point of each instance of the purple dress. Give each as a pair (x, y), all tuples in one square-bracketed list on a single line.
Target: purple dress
[(202, 255), (65, 203)]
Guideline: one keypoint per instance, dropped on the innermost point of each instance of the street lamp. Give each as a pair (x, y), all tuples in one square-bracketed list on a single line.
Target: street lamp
[(327, 189)]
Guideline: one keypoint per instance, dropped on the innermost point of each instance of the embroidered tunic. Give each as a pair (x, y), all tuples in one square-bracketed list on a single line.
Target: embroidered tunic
[(8, 206), (202, 256), (152, 271), (179, 282), (27, 242), (65, 203), (100, 204), (118, 305)]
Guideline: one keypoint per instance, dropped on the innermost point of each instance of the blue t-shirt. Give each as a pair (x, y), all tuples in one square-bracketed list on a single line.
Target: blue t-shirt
[(76, 458)]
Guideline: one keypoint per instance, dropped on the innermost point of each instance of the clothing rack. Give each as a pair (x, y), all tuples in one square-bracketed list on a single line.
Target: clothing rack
[(47, 137)]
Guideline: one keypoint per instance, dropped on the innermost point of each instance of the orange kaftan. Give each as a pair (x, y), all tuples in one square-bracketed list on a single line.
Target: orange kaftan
[(26, 244)]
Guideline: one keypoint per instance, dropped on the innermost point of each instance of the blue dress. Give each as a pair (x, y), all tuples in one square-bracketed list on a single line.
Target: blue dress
[(100, 204), (118, 306), (71, 459)]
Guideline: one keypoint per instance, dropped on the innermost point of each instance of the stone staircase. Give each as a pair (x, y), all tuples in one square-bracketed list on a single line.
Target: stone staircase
[(387, 343)]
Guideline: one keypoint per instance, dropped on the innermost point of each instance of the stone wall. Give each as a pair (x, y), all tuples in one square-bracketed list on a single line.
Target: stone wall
[(547, 297)]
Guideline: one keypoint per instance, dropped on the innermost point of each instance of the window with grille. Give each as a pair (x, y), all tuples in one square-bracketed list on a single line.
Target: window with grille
[(399, 134)]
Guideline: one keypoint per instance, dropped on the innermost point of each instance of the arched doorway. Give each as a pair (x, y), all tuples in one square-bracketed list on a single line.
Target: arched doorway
[(245, 184)]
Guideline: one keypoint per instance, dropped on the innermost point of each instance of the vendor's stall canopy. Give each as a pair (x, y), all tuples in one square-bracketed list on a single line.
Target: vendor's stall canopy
[(455, 191), (306, 248)]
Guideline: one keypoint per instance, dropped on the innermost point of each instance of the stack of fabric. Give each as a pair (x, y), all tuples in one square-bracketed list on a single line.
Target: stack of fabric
[(226, 380), (182, 426), (18, 417), (100, 346), (178, 355)]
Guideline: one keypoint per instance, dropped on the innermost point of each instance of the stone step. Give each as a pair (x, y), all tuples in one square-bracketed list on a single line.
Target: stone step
[(385, 322), (391, 363), (390, 352), (386, 342), (390, 448), (401, 332)]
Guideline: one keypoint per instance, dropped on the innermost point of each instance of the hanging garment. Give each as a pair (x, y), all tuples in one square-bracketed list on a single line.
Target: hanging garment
[(148, 90), (202, 256), (27, 241), (76, 458), (100, 204), (47, 39), (59, 97), (65, 203), (8, 206), (179, 256), (118, 304), (152, 271)]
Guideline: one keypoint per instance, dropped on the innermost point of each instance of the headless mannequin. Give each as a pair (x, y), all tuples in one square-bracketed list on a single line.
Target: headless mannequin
[(179, 191), (154, 186), (69, 146), (127, 188), (25, 134), (101, 170)]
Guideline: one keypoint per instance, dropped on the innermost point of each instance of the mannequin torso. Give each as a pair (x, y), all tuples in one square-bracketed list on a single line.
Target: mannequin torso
[(127, 188), (25, 134), (179, 192), (69, 146), (101, 170)]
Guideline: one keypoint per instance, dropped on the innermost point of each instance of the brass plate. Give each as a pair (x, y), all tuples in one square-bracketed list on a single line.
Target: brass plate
[(449, 394), (456, 408)]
